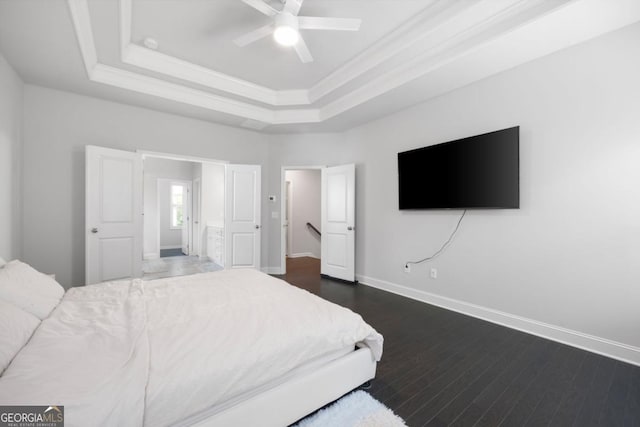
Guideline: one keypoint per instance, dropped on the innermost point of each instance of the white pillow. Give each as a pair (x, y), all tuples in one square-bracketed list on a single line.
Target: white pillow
[(29, 289), (16, 327)]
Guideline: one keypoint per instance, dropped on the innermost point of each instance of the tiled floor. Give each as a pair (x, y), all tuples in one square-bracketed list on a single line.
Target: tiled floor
[(177, 266), (171, 252)]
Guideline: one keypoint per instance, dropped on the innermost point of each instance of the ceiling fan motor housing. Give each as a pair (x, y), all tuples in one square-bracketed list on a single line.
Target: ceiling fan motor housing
[(286, 29), (286, 19)]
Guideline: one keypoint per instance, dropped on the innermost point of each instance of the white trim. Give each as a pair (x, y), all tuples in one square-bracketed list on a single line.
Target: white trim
[(411, 32), (451, 29), (304, 254), (283, 234), (175, 92), (126, 20), (254, 124), (181, 157), (170, 247), (82, 23), (616, 350), (287, 197), (150, 255), (161, 63), (270, 270)]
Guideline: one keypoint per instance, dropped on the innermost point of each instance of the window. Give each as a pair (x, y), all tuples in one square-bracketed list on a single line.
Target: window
[(177, 205)]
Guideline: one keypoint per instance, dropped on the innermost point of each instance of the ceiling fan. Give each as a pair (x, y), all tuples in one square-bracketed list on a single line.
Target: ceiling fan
[(286, 25)]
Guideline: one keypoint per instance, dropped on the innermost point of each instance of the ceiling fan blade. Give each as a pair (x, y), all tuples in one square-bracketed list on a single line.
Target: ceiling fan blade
[(303, 51), (339, 24), (262, 7), (293, 6), (254, 35)]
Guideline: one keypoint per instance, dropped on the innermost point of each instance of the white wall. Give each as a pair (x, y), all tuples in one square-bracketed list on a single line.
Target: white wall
[(305, 189), (567, 258), (58, 125), (11, 95)]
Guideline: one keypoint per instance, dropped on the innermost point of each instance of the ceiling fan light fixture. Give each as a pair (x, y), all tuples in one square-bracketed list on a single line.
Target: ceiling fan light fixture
[(286, 36), (286, 32)]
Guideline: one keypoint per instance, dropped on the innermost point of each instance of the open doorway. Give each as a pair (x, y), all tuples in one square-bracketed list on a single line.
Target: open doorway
[(224, 232), (302, 231), (322, 195), (176, 221)]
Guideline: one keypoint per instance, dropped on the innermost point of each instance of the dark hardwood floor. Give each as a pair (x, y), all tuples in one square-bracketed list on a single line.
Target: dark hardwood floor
[(442, 368)]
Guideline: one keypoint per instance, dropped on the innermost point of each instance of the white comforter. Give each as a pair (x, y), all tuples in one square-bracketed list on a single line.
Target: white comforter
[(152, 353)]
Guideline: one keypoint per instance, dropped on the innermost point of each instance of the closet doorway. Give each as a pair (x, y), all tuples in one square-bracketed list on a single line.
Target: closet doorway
[(173, 212), (221, 225)]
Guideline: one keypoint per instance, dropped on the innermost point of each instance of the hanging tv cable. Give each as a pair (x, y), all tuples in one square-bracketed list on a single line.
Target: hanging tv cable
[(442, 248)]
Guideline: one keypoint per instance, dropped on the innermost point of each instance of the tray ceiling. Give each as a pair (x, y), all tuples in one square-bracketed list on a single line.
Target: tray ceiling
[(197, 70)]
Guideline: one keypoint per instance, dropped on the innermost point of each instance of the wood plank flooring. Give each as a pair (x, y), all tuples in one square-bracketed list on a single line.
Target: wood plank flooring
[(441, 368)]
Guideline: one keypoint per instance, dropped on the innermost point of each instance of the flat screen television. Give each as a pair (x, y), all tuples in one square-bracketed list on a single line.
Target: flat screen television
[(478, 172)]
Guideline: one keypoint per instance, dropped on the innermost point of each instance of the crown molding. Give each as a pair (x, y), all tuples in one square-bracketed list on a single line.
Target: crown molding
[(402, 38), (497, 24), (152, 60), (82, 23), (140, 83), (423, 44), (148, 59)]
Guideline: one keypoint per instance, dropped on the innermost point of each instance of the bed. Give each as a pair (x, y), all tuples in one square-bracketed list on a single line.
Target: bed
[(235, 347)]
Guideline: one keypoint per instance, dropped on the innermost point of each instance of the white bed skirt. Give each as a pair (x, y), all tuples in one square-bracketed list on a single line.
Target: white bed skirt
[(291, 400)]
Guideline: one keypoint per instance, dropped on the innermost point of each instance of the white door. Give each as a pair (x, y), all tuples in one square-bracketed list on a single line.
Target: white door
[(195, 215), (338, 222), (242, 216), (113, 214), (186, 222)]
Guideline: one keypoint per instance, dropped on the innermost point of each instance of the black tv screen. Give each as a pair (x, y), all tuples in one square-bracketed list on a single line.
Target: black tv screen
[(479, 172)]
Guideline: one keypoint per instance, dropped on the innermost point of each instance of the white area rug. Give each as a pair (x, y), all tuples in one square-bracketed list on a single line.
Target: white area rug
[(357, 409)]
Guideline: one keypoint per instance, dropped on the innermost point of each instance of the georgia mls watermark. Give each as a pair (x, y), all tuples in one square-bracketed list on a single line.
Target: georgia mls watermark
[(31, 416)]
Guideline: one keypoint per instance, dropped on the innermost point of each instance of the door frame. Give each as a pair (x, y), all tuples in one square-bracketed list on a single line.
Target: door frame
[(188, 185), (288, 202), (283, 206), (195, 229), (184, 158)]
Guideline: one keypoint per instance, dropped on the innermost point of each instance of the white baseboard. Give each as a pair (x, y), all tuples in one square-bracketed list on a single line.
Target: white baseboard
[(603, 346), (170, 247), (151, 255), (303, 254)]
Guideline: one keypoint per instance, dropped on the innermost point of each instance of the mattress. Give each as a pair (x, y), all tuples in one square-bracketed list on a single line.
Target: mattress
[(154, 353)]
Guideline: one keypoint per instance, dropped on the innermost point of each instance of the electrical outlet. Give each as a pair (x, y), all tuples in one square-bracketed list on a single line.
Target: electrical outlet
[(407, 268), (434, 273)]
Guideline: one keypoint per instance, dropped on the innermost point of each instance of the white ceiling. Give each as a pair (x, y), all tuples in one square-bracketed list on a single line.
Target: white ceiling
[(406, 52)]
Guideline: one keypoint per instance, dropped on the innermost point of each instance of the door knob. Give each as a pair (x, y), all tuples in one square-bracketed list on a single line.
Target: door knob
[(257, 227), (94, 230), (350, 228)]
